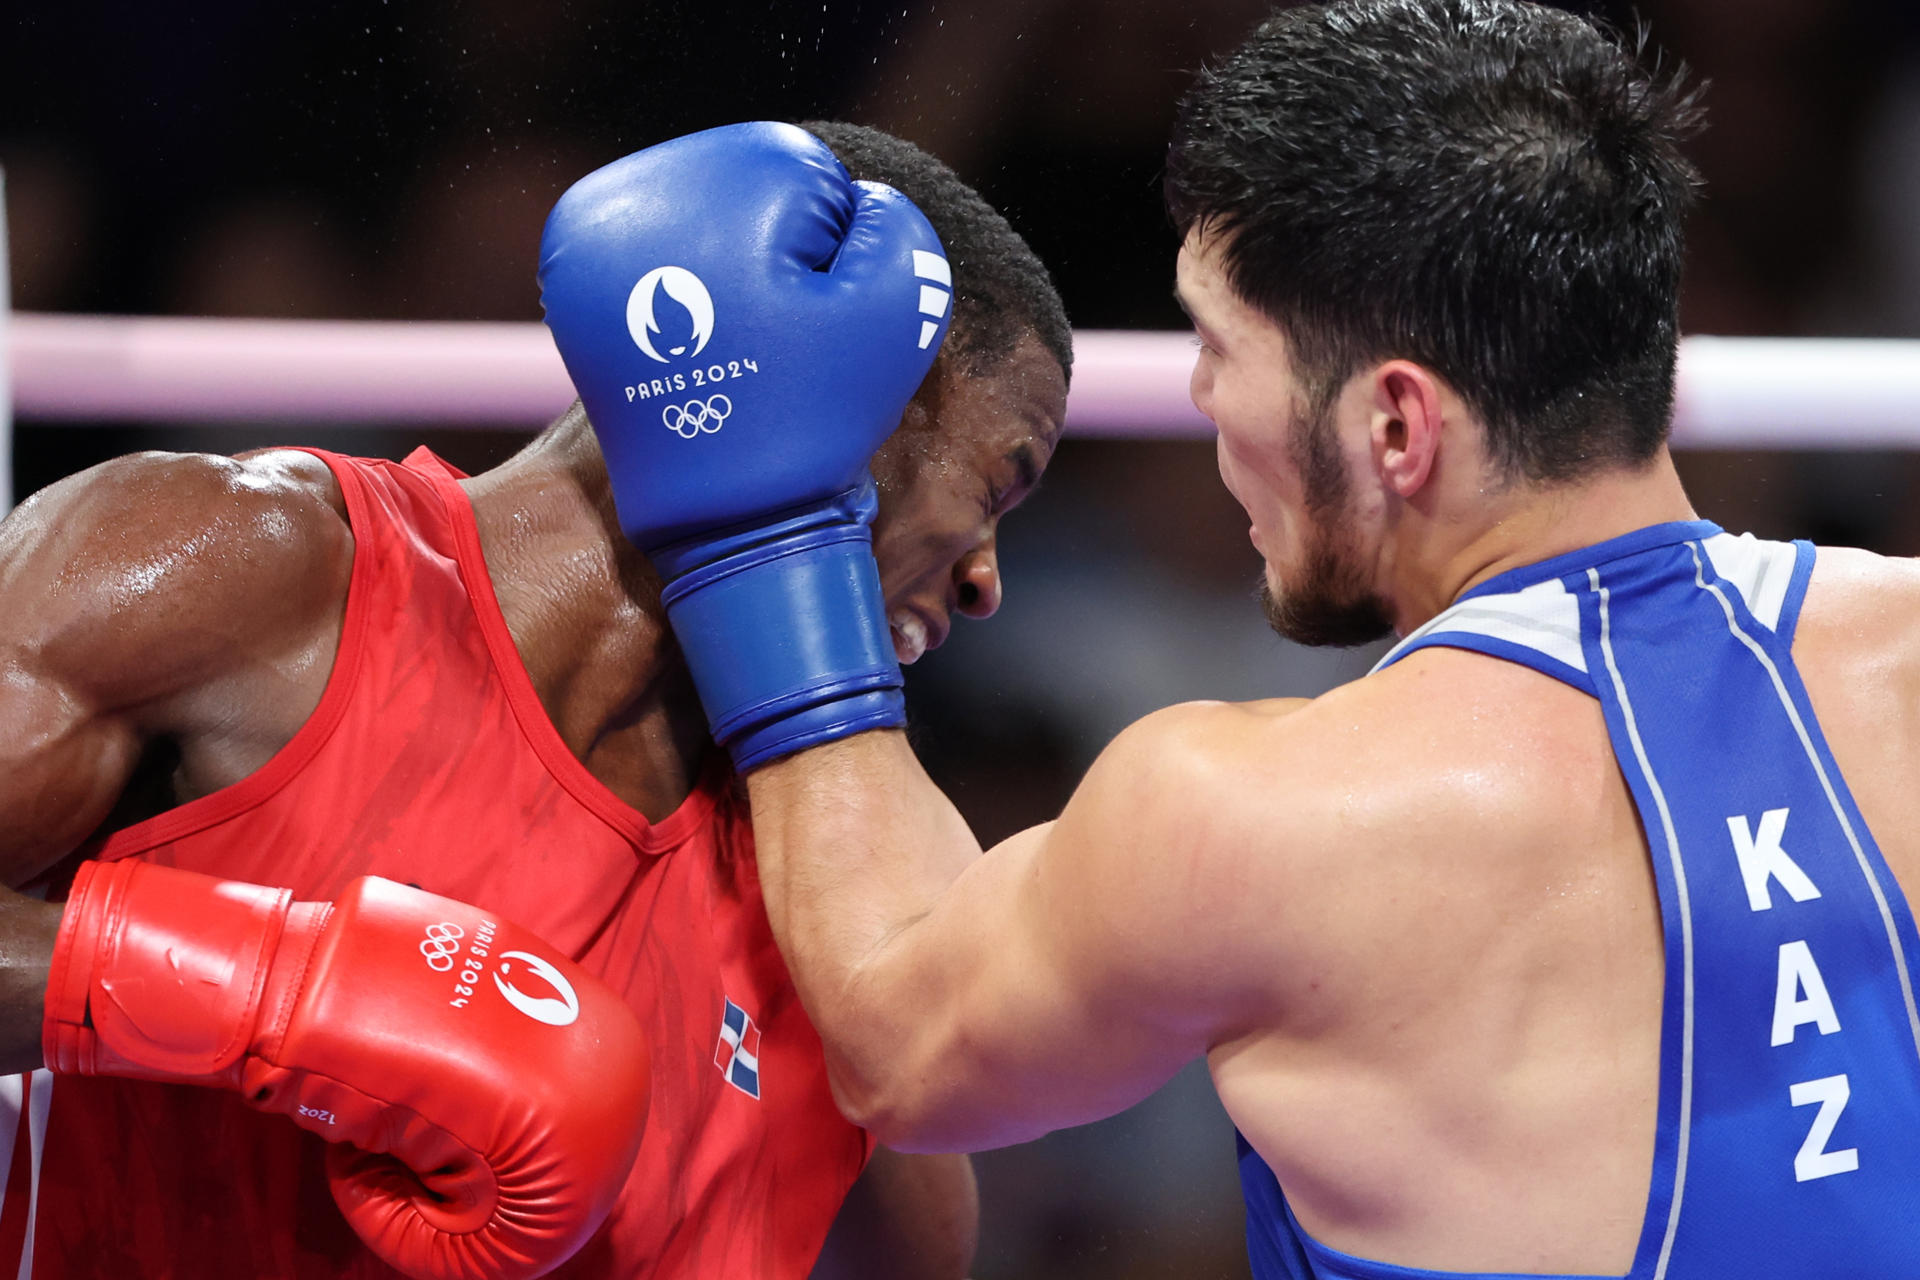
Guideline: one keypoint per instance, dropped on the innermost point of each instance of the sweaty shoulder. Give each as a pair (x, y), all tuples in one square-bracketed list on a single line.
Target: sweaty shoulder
[(154, 573), (1857, 643), (1323, 827), (1176, 767), (1443, 732), (1870, 598), (1449, 737), (1857, 648)]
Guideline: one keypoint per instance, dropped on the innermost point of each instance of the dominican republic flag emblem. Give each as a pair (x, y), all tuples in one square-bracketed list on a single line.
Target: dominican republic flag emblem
[(738, 1053)]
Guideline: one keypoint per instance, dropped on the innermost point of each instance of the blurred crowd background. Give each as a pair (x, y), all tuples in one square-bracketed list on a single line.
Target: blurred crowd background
[(395, 159)]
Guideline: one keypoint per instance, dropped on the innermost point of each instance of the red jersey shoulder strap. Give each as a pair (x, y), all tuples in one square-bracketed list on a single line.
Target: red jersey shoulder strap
[(652, 838)]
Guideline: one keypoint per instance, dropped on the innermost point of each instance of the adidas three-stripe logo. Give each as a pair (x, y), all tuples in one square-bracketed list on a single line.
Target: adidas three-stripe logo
[(933, 297)]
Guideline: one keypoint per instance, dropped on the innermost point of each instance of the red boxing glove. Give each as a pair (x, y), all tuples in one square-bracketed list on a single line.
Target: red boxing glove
[(496, 1091)]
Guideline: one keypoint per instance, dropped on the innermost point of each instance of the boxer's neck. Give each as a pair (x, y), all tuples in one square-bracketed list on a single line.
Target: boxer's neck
[(583, 606), (1525, 524)]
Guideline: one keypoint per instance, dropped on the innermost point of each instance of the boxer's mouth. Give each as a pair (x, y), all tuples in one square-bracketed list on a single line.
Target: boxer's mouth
[(909, 636)]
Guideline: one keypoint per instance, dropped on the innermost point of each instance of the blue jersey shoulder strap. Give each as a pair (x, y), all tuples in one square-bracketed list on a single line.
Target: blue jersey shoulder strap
[(1531, 616), (1789, 1114)]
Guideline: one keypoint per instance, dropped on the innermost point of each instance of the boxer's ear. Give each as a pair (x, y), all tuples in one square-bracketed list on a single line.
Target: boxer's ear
[(1407, 411)]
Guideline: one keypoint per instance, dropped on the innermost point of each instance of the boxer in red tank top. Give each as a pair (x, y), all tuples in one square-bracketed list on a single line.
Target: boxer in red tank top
[(296, 668)]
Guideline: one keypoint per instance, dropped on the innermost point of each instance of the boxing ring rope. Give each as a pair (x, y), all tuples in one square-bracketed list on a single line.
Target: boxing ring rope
[(1734, 393)]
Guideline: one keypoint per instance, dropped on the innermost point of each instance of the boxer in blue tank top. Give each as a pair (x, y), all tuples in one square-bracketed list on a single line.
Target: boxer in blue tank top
[(1790, 1050), (1572, 941)]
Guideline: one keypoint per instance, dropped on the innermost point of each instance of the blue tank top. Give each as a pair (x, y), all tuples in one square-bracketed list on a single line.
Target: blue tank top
[(1789, 1115)]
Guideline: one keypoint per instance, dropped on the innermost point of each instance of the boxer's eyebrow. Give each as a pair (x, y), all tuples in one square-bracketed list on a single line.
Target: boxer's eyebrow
[(1205, 333)]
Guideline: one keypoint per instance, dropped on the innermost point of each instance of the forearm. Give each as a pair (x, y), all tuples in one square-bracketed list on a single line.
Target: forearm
[(858, 853), (27, 932)]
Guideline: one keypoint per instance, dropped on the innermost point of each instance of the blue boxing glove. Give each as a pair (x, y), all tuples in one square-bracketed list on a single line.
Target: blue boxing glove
[(745, 325)]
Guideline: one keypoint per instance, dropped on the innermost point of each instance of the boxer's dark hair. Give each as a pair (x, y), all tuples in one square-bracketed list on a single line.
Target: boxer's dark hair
[(1000, 287), (1492, 189)]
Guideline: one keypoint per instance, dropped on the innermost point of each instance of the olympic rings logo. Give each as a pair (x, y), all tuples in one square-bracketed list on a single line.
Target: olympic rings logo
[(690, 419), (442, 945)]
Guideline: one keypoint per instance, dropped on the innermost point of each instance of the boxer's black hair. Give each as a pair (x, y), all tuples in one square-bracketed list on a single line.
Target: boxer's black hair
[(1490, 188), (1000, 287)]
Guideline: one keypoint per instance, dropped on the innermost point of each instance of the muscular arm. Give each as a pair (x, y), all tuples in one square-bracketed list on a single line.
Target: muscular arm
[(156, 597), (969, 1000)]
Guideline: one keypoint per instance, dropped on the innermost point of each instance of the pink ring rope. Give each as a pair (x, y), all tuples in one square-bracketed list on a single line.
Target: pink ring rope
[(1735, 393)]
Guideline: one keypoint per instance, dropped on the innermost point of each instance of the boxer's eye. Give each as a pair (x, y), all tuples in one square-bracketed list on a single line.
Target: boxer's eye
[(990, 500)]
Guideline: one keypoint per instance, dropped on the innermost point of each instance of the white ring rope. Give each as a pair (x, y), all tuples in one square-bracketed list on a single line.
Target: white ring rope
[(1735, 393)]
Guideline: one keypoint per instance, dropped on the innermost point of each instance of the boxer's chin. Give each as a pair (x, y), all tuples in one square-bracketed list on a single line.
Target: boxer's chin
[(1331, 606), (909, 637)]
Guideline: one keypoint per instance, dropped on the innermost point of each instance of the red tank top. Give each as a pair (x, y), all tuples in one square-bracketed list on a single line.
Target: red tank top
[(430, 760)]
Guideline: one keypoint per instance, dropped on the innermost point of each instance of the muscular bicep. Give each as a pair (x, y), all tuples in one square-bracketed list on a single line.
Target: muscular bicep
[(1087, 960), (126, 594), (62, 767)]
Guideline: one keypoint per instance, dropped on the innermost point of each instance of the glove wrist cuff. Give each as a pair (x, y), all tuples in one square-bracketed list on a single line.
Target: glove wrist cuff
[(788, 642), (158, 973), (675, 560), (66, 1038)]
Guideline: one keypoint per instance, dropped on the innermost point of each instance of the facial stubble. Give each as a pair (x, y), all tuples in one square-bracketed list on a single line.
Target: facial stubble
[(1333, 602)]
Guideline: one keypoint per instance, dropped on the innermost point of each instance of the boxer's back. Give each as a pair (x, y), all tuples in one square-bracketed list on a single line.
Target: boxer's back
[(1465, 1071)]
